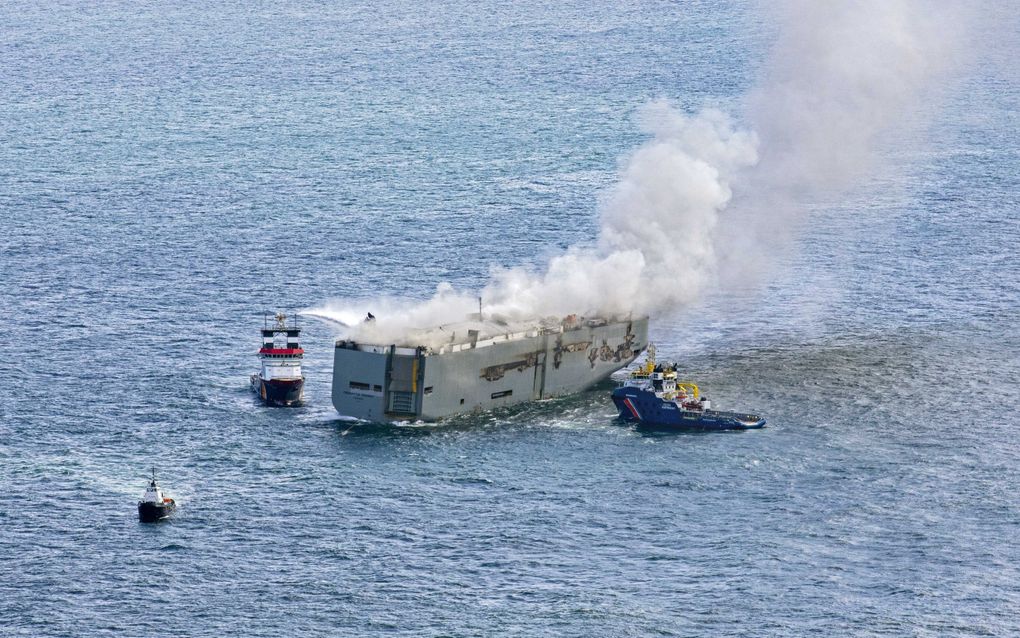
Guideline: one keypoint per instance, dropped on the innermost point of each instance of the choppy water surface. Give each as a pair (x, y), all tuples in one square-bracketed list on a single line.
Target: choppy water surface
[(168, 171)]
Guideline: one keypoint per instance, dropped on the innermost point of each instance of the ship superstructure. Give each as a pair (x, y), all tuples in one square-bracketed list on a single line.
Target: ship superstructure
[(280, 381), (475, 365)]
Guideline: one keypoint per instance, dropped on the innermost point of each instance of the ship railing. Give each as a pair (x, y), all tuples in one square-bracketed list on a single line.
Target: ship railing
[(376, 349), (484, 343)]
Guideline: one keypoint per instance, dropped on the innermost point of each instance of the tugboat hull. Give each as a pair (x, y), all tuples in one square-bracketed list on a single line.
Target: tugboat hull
[(642, 406), (155, 512), (284, 392)]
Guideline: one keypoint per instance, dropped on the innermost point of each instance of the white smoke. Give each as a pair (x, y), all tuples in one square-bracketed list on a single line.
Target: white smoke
[(844, 79), (842, 74), (654, 248)]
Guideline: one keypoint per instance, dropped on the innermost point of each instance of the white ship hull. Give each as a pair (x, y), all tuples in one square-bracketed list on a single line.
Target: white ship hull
[(394, 383)]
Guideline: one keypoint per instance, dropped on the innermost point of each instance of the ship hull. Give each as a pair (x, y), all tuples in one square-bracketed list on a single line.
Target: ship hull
[(155, 512), (281, 392), (390, 383), (642, 406)]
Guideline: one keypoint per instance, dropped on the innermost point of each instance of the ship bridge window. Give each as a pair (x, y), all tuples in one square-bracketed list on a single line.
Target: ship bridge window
[(357, 385)]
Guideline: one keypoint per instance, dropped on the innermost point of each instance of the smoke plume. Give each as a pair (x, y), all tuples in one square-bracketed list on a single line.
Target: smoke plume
[(841, 75), (844, 80)]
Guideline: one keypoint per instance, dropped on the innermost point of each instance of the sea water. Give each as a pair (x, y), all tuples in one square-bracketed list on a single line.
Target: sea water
[(171, 171)]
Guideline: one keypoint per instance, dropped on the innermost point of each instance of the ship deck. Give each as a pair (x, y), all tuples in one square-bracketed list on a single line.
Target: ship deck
[(473, 334)]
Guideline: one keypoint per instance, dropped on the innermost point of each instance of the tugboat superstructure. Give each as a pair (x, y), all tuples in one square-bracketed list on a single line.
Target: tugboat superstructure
[(279, 381)]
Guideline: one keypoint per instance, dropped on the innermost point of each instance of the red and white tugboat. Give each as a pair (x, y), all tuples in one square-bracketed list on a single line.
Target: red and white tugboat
[(155, 505), (280, 382)]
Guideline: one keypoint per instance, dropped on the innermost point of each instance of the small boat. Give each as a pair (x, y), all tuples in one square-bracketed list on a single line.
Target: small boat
[(653, 396), (155, 506), (279, 381)]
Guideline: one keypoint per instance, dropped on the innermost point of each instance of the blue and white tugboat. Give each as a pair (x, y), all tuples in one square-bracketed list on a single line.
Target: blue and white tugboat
[(155, 506), (653, 396), (280, 382)]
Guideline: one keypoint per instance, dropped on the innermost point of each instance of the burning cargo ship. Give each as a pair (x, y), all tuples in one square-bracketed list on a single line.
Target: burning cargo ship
[(475, 365)]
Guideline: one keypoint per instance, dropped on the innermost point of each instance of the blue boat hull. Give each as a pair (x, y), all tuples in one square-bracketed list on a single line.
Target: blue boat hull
[(642, 406)]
